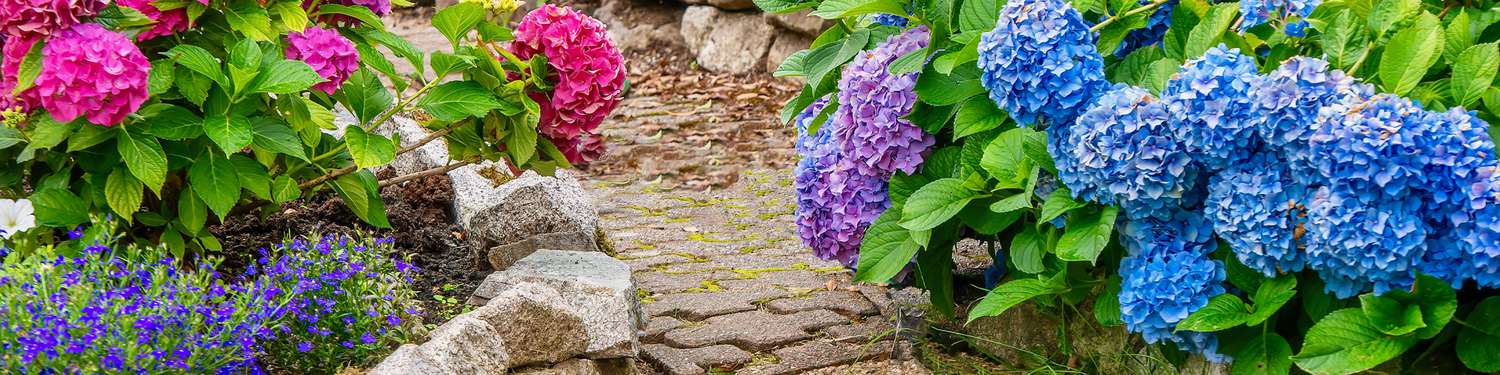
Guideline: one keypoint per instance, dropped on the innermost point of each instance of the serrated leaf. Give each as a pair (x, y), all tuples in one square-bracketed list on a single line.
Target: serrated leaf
[(1345, 342), (444, 63), (977, 115), (369, 150), (1267, 354), (1344, 40), (908, 63), (362, 13), (89, 136), (1012, 293), (1107, 304), (1409, 54), (365, 96), (783, 6), (250, 18), (1058, 203), (457, 20), (978, 15), (10, 137), (198, 60), (145, 158), (1005, 157), (948, 89), (277, 137), (1270, 296), (1223, 312), (286, 77), (30, 67), (215, 181), (935, 203), (1391, 316), (191, 211), (123, 193), (1457, 36), (520, 142), (253, 176), (834, 9), (175, 123), (457, 100), (793, 66), (1027, 249), (160, 78), (59, 208), (291, 14), (1206, 33), (231, 134), (886, 249), (1473, 73), (1388, 13), (1087, 234), (283, 189), (1478, 344)]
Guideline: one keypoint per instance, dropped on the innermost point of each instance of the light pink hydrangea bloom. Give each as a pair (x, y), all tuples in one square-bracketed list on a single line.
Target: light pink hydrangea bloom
[(44, 17), (167, 23), (588, 70), (92, 72), (329, 53)]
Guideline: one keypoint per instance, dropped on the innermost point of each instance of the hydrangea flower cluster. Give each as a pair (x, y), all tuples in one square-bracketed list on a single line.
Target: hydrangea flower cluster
[(31, 18), (1356, 244), (330, 54), (1167, 275), (1254, 207), (870, 121), (1040, 62), (168, 22), (341, 300), (1122, 151), (381, 8), (1210, 110), (1257, 12), (889, 20), (835, 203), (1286, 98), (1483, 235), (1152, 34), (12, 51), (92, 72), (588, 70)]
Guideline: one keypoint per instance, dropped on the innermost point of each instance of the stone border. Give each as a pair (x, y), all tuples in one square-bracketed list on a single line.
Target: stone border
[(550, 307)]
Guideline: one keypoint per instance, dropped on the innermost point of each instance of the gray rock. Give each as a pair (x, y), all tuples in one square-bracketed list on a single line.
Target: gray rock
[(801, 22), (725, 4), (1017, 336), (785, 45), (528, 206), (579, 366), (726, 42), (589, 286), (503, 256), (541, 333), (407, 359), (473, 191), (467, 345), (432, 155), (635, 25)]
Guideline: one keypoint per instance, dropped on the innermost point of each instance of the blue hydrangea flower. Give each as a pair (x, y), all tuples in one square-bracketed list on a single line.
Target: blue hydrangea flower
[(835, 203), (1483, 235), (1152, 34), (1183, 231), (1167, 277), (1458, 157), (1376, 142), (1254, 207), (1357, 244), (1209, 108), (870, 121), (1121, 151), (1297, 28), (889, 20), (1040, 62), (1288, 97), (1257, 12)]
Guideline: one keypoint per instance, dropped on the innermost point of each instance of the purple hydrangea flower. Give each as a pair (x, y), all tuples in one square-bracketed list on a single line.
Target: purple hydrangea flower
[(92, 72), (835, 203), (1288, 97), (329, 53), (1254, 207), (1121, 151), (1040, 62), (1209, 108), (870, 121), (1257, 12)]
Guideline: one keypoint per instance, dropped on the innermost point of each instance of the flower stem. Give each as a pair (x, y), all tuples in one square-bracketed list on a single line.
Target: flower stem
[(1111, 20)]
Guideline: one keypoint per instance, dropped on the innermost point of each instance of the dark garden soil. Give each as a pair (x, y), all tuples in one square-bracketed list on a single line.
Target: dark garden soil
[(422, 224)]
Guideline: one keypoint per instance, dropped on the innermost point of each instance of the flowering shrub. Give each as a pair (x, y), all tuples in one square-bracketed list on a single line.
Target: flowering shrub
[(165, 114), (1367, 171), (339, 300)]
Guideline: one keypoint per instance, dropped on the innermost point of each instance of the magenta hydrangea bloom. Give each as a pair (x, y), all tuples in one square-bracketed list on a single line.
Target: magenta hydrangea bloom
[(15, 48), (870, 121), (92, 72), (583, 149), (44, 17), (381, 8), (588, 70), (329, 53), (167, 22)]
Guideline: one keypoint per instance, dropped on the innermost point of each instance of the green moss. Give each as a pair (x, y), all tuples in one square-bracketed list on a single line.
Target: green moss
[(648, 211), (642, 245), (644, 296), (704, 237), (601, 239), (706, 286)]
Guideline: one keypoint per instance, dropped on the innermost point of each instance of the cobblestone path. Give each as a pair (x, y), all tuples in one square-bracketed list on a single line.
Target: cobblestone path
[(727, 285)]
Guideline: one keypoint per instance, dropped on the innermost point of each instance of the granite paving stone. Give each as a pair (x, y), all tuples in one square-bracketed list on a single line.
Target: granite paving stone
[(697, 306), (844, 302), (659, 326), (693, 361), (817, 354), (861, 332), (754, 330)]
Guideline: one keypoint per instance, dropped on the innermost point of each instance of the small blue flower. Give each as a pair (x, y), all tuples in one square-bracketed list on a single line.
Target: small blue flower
[(1297, 28), (1040, 62), (1358, 243), (889, 20)]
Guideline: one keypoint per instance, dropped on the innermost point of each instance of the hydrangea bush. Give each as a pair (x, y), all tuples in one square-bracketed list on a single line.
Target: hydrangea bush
[(173, 114), (1267, 184)]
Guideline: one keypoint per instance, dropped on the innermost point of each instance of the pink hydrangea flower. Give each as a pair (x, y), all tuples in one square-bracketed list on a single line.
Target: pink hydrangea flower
[(44, 17), (92, 72), (379, 7), (167, 23), (582, 150), (14, 50), (329, 53), (588, 70)]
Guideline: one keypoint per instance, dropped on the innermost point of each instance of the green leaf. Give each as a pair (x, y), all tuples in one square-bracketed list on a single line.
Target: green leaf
[(1223, 312), (1027, 249), (1478, 343), (191, 211), (59, 208), (947, 62), (1344, 40), (978, 15), (286, 77), (793, 66), (886, 249), (369, 150), (1159, 73), (935, 203), (364, 14), (783, 6), (1012, 203), (30, 67), (1058, 203), (283, 189), (275, 136), (215, 181), (1409, 54), (253, 176), (457, 100), (935, 274), (124, 193), (1087, 234), (248, 17), (1473, 73), (1439, 302), (1107, 304), (364, 95), (49, 133), (457, 20), (1391, 316), (1388, 13), (361, 192), (1005, 157), (521, 142), (833, 9), (1345, 342), (1206, 33), (231, 134), (1010, 294), (175, 123), (908, 63), (11, 137), (977, 115), (291, 14), (88, 136), (1267, 354), (947, 89), (444, 63), (145, 158), (1270, 296), (160, 78), (1457, 37)]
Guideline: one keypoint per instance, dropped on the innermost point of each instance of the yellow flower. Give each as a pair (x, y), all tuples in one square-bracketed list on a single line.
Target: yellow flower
[(498, 8)]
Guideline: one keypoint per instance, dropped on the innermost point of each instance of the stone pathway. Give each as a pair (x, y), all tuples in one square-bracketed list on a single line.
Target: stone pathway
[(727, 285)]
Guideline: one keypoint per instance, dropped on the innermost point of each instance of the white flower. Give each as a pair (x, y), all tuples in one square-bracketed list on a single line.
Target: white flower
[(16, 217)]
